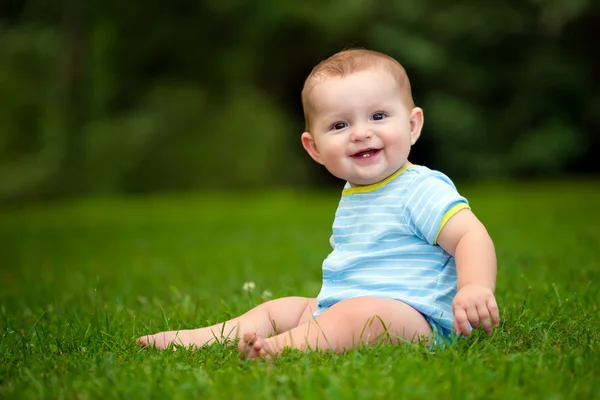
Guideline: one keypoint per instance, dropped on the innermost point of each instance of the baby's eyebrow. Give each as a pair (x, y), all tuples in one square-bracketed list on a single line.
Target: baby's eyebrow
[(334, 116)]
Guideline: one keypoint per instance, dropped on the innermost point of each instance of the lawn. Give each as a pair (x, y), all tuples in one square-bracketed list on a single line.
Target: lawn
[(80, 280)]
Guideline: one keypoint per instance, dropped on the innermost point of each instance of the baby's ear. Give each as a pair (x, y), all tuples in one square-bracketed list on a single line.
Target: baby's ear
[(416, 124), (310, 146)]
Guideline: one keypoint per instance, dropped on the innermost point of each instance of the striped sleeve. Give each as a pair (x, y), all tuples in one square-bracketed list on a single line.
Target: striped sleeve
[(432, 200)]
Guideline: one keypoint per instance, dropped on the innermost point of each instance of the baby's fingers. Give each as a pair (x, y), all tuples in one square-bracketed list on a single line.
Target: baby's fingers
[(492, 306), (484, 317), (473, 315), (461, 322)]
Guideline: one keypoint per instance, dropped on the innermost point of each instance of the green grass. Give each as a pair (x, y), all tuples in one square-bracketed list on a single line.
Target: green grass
[(79, 281)]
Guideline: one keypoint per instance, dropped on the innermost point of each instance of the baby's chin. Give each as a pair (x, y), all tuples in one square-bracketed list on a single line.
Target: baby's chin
[(364, 182), (369, 180), (357, 181)]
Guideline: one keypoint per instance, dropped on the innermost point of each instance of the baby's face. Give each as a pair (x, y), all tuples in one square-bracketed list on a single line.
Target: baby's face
[(361, 130)]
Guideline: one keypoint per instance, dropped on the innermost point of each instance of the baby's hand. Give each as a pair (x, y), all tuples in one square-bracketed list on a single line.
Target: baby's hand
[(475, 304)]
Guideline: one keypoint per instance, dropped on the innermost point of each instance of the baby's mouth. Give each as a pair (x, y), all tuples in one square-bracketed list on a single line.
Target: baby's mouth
[(366, 153)]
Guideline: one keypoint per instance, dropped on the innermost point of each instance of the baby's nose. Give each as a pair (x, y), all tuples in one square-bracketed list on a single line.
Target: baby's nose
[(361, 133)]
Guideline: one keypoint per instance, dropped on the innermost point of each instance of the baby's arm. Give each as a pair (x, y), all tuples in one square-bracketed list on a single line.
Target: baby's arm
[(465, 237)]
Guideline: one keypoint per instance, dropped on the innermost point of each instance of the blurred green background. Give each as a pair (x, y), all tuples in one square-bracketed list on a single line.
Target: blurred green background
[(103, 97)]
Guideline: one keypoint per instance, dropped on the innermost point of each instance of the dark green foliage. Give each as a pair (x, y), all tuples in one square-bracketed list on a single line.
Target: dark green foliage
[(114, 97)]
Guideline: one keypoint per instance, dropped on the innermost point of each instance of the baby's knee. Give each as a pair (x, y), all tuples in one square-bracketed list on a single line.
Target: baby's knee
[(372, 317), (361, 310)]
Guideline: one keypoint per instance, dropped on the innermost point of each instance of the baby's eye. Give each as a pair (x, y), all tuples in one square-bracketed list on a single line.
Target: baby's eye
[(338, 125), (378, 116)]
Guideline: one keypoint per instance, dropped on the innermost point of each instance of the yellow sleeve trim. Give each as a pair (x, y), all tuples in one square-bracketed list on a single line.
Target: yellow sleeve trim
[(449, 214)]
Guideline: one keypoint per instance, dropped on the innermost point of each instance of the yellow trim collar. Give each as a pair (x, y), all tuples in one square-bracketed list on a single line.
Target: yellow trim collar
[(373, 187)]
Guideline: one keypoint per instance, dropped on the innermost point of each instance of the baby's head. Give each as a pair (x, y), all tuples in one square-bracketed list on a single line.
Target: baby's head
[(360, 117), (350, 61)]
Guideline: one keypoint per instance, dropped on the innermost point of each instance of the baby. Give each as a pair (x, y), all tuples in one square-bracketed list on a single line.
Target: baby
[(410, 261)]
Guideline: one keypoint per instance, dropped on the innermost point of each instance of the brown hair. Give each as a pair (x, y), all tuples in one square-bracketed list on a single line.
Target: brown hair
[(354, 60)]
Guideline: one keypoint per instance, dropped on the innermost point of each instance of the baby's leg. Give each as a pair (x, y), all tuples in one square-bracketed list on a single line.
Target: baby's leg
[(273, 317), (345, 325)]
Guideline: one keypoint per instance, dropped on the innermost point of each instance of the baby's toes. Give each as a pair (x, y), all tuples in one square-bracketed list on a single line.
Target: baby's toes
[(250, 338), (143, 341), (242, 346), (262, 354)]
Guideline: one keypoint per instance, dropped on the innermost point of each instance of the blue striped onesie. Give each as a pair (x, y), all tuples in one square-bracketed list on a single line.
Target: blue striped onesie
[(384, 245)]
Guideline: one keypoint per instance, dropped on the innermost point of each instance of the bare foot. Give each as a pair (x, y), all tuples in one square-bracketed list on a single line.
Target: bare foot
[(186, 338), (252, 347)]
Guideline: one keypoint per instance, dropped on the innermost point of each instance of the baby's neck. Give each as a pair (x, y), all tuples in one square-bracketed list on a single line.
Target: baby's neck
[(404, 166)]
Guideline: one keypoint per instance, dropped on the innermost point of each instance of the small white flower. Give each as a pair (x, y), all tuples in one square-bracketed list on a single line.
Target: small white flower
[(266, 295), (248, 286)]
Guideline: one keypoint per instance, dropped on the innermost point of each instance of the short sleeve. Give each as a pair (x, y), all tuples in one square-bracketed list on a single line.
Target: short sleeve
[(431, 201)]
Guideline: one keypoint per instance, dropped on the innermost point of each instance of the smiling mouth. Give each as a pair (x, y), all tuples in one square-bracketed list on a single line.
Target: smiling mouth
[(366, 153)]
